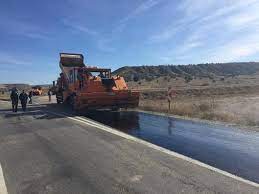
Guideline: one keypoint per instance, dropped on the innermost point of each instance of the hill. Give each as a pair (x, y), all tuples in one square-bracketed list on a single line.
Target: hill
[(208, 70), (7, 87)]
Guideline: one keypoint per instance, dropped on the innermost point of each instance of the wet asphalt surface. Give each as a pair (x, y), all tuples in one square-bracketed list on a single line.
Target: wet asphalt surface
[(230, 149)]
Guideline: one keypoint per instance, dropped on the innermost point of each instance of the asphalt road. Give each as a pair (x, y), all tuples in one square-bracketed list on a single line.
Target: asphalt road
[(41, 152), (227, 148)]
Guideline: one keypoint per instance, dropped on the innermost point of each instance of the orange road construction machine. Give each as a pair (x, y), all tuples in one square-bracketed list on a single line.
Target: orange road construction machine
[(37, 91), (85, 87)]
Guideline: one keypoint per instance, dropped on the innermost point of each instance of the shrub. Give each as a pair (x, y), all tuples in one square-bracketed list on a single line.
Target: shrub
[(204, 107), (188, 78), (135, 78)]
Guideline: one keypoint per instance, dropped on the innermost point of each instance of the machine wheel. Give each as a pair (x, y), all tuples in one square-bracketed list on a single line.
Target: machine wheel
[(59, 97), (72, 101)]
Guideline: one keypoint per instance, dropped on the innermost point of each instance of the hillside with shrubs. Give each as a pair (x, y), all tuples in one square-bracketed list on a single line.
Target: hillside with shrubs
[(188, 72)]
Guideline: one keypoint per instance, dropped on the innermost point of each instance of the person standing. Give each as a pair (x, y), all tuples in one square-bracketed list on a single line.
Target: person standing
[(15, 99), (30, 97), (49, 94), (23, 98)]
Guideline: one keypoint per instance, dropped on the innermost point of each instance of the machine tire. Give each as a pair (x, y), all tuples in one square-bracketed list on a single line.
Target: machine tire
[(59, 97), (71, 101)]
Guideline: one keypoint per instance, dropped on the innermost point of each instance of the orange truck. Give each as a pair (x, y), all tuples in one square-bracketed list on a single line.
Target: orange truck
[(85, 87), (37, 91)]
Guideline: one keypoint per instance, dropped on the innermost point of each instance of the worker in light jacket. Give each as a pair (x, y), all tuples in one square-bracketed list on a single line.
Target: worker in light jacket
[(30, 97), (49, 95)]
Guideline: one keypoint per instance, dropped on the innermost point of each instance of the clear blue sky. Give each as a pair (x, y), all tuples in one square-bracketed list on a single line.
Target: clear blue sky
[(127, 32)]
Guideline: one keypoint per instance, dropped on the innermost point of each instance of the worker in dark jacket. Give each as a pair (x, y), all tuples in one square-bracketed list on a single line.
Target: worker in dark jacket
[(15, 99), (23, 98)]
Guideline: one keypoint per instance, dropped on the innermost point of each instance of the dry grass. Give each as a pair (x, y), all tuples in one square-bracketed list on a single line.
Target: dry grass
[(226, 109), (231, 99)]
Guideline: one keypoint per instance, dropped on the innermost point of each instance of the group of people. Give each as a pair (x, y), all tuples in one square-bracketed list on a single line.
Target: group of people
[(23, 97)]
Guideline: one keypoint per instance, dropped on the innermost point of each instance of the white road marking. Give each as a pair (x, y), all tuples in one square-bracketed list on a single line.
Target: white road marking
[(153, 146), (3, 189)]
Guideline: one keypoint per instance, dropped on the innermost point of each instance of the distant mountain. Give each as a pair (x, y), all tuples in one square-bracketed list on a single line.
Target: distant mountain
[(135, 73), (7, 87)]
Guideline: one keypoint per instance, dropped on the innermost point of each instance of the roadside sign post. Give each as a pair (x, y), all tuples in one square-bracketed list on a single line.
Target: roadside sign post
[(171, 93)]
